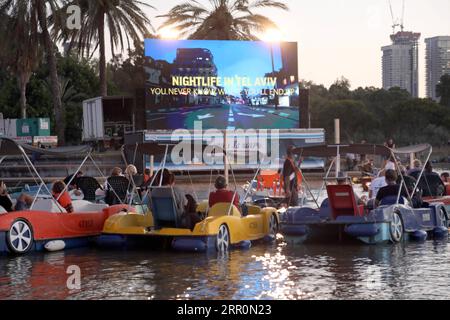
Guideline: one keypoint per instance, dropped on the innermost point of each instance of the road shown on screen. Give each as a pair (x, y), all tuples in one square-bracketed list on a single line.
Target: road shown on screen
[(227, 116)]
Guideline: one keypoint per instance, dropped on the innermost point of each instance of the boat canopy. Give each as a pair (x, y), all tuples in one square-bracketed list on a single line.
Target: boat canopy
[(413, 149), (332, 150), (9, 147)]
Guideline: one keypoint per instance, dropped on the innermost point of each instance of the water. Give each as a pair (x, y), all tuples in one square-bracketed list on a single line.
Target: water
[(279, 271)]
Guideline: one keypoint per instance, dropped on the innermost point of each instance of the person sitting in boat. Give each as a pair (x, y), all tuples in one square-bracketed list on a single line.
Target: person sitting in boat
[(147, 176), (222, 194), (23, 202), (60, 193), (5, 199), (416, 169), (445, 177), (191, 216), (378, 183), (115, 172), (130, 171), (392, 189), (431, 183), (71, 181), (165, 179)]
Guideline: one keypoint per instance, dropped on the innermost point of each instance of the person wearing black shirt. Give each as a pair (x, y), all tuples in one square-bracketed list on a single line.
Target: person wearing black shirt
[(392, 188), (5, 200)]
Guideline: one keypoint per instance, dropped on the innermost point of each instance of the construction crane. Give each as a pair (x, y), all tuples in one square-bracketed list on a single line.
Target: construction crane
[(396, 22)]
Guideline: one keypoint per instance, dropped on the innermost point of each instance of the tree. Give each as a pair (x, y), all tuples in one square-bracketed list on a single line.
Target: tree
[(443, 90), (19, 48), (222, 20), (340, 89), (356, 120), (38, 12), (125, 21)]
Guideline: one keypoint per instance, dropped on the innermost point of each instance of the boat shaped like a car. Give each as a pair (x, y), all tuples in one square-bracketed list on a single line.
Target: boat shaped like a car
[(47, 226), (223, 228), (339, 218)]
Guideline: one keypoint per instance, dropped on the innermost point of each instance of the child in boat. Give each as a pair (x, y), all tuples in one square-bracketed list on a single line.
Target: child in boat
[(60, 193)]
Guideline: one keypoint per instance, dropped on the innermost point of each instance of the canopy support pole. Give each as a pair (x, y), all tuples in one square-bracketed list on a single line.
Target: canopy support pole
[(337, 141)]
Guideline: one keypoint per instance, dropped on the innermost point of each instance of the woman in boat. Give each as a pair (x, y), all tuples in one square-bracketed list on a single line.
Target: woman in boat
[(23, 202), (445, 177), (60, 193), (5, 199)]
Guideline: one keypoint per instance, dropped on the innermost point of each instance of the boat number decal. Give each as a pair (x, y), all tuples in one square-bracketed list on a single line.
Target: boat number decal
[(426, 217), (342, 194), (85, 224)]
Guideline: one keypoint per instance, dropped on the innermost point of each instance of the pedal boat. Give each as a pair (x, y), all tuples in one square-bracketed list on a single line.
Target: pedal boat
[(339, 217), (223, 228), (46, 226)]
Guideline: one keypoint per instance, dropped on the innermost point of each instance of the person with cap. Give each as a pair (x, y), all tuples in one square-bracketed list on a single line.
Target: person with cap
[(222, 194)]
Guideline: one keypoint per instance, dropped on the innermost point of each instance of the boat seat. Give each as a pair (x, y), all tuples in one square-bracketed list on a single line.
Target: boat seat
[(391, 200), (164, 210), (222, 209), (342, 201), (254, 210), (48, 205), (86, 206)]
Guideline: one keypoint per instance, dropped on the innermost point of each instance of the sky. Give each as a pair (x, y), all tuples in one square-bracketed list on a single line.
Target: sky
[(344, 37), (232, 58)]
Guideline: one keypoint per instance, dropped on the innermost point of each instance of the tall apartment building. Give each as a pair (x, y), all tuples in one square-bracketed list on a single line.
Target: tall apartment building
[(401, 62), (437, 62)]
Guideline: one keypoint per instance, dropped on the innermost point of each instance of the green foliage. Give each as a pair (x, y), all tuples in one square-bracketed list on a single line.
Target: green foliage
[(443, 90), (79, 81), (375, 114), (221, 20)]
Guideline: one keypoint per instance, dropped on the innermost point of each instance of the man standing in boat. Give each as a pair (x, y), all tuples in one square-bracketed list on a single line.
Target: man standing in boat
[(290, 182)]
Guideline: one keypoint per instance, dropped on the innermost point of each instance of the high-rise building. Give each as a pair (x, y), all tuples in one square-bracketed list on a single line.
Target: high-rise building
[(438, 62), (401, 62)]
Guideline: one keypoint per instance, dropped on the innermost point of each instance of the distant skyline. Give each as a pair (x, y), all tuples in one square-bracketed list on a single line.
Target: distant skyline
[(344, 37)]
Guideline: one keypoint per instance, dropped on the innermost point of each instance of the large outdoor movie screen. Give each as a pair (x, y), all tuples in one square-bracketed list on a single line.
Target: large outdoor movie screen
[(204, 84)]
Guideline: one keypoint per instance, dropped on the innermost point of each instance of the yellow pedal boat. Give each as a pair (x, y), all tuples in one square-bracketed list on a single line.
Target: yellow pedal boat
[(223, 228)]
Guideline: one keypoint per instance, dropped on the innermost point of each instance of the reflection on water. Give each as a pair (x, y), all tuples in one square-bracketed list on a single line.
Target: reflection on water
[(410, 271)]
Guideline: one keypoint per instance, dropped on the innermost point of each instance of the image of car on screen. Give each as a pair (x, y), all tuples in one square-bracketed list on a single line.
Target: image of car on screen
[(221, 85)]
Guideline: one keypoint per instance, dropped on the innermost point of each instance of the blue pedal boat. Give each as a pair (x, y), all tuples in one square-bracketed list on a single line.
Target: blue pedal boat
[(340, 218)]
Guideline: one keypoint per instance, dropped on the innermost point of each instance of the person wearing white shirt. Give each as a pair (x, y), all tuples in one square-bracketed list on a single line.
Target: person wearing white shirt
[(377, 184)]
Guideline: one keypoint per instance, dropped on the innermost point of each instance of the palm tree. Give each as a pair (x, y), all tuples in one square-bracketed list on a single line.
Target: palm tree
[(38, 12), (125, 21), (19, 47), (222, 20)]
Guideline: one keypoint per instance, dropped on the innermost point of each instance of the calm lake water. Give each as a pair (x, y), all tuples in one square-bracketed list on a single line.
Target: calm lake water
[(278, 271)]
